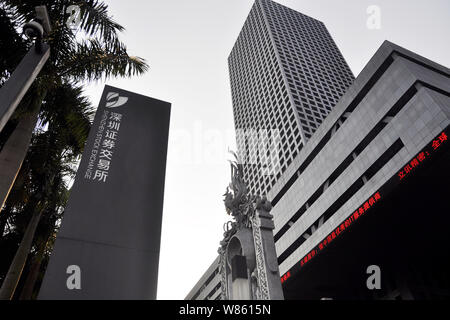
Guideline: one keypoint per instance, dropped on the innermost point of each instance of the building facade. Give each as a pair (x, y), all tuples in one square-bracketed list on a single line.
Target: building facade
[(394, 117), (368, 188), (286, 75)]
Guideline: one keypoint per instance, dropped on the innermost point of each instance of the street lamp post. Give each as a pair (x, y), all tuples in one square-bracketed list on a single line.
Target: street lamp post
[(23, 76)]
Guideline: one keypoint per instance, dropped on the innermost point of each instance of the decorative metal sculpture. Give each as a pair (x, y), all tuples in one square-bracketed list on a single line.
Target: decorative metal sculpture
[(238, 202), (261, 275), (244, 208)]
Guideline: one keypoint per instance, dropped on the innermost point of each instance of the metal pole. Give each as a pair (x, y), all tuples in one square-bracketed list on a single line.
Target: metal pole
[(20, 81)]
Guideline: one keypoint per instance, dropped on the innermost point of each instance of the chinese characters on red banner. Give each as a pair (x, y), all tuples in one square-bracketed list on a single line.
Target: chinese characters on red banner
[(286, 276), (414, 163), (406, 170), (338, 231)]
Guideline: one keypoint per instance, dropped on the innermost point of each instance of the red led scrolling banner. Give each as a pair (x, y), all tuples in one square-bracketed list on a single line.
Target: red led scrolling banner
[(410, 167)]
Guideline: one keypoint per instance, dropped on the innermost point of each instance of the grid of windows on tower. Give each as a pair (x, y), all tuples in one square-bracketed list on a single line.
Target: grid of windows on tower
[(286, 75)]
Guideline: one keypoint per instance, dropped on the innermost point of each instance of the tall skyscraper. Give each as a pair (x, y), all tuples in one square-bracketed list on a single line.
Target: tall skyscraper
[(369, 185), (286, 75)]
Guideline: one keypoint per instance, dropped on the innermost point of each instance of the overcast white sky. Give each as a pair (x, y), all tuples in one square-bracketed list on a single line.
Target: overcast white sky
[(186, 43)]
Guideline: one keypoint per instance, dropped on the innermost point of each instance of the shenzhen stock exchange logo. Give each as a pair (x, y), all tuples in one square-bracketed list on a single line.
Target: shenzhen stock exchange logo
[(105, 141), (113, 100)]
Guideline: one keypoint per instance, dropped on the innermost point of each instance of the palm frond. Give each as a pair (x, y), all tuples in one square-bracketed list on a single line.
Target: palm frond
[(92, 60), (95, 20)]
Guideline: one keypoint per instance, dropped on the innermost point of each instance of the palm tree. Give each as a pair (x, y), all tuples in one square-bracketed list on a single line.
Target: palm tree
[(96, 54), (44, 239), (49, 161), (16, 147)]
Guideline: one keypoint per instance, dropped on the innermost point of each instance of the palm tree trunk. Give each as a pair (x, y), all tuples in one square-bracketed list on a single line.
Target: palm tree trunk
[(13, 154), (27, 291), (15, 270)]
